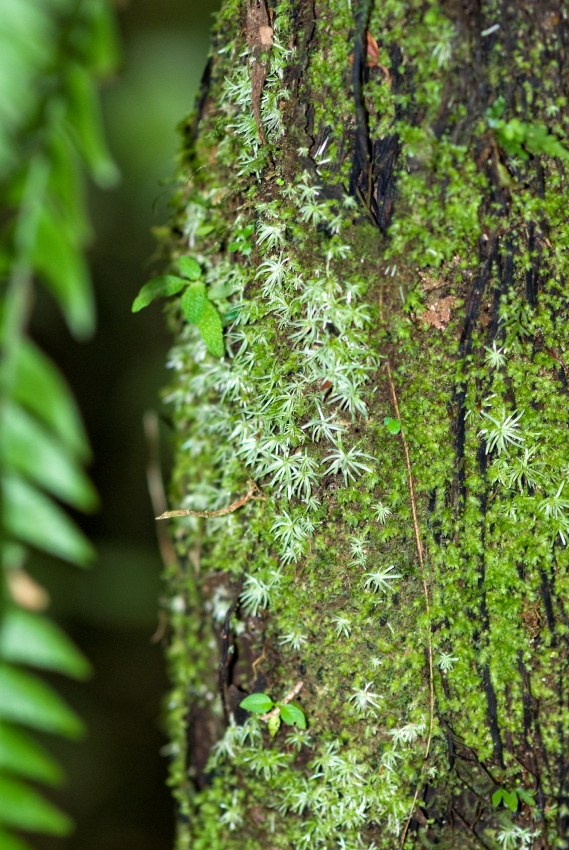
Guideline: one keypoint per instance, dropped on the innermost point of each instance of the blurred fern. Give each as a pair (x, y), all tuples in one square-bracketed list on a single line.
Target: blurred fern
[(52, 54)]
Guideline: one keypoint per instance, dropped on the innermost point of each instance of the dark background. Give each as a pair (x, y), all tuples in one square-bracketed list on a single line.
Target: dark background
[(116, 777)]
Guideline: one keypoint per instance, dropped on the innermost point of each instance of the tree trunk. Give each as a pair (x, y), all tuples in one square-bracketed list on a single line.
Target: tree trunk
[(376, 195)]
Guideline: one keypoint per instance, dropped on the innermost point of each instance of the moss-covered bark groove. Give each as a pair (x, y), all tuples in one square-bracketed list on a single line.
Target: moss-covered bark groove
[(375, 189)]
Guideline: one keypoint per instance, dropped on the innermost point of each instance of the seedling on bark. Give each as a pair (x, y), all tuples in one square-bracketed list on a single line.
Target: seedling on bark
[(275, 712)]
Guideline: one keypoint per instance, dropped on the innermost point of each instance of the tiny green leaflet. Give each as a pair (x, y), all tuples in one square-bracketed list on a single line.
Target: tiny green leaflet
[(257, 703), (196, 307), (241, 240), (293, 715), (392, 425), (274, 724)]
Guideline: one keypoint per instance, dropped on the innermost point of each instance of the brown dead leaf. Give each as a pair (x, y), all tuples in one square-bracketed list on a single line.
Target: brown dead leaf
[(373, 56), (259, 41), (372, 50), (438, 313), (531, 616), (26, 592)]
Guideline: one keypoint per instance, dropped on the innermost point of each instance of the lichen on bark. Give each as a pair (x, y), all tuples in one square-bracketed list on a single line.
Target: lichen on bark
[(392, 246)]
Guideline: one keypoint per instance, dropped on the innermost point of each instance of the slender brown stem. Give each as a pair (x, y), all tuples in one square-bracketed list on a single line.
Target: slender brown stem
[(289, 697), (425, 594), (253, 493), (262, 657), (156, 486)]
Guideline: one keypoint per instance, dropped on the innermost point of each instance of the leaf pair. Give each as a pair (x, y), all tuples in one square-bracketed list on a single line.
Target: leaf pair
[(511, 798), (196, 307), (288, 713)]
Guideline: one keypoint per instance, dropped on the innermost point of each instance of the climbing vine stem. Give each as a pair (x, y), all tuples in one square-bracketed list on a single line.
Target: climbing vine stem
[(252, 493), (419, 546)]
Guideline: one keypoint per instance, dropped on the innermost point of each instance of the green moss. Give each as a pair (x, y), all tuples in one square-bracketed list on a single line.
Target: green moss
[(326, 567)]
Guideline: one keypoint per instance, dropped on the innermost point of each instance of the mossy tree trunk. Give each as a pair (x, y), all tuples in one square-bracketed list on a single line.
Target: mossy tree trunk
[(376, 194)]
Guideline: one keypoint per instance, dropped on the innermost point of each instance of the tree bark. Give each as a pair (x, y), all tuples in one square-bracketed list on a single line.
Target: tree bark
[(376, 194)]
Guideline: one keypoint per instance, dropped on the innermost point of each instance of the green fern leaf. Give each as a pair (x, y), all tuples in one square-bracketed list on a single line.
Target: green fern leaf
[(30, 450), (23, 808), (19, 753), (28, 638), (26, 699), (33, 518), (40, 389)]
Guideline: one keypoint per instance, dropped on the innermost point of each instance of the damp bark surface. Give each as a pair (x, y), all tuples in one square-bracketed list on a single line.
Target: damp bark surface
[(376, 196)]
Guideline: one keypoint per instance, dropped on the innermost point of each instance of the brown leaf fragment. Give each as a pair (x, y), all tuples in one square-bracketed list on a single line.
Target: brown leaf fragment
[(259, 41), (437, 314), (429, 283), (373, 57), (266, 37), (25, 591), (372, 50)]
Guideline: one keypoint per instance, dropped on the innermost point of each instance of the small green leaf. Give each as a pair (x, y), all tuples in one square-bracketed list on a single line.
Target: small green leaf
[(257, 703), (190, 268), (526, 796), (23, 808), (156, 288), (193, 302), (204, 229), (274, 724), (293, 715), (32, 518), (211, 330), (19, 753), (392, 425), (496, 111), (27, 638), (497, 797), (511, 800), (26, 699)]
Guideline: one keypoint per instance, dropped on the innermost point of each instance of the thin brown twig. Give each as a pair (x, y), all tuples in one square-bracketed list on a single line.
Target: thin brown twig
[(425, 594), (258, 660), (156, 486), (253, 493), (289, 697)]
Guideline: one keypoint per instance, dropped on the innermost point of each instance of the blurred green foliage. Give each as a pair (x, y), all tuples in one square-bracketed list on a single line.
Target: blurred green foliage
[(52, 55)]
